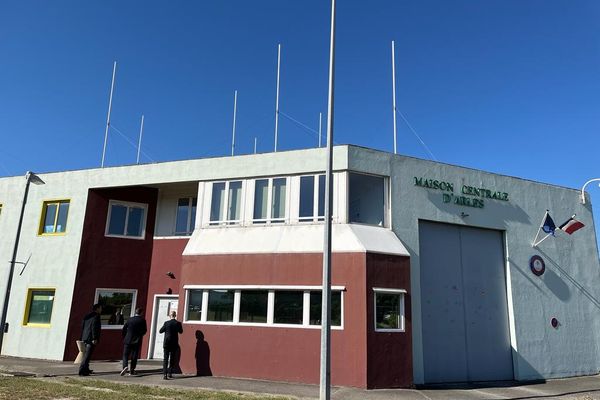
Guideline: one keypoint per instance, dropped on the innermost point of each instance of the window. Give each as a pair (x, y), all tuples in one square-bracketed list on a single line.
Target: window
[(288, 307), (220, 305), (312, 198), (194, 305), (117, 306), (253, 306), (367, 200), (316, 301), (54, 217), (226, 203), (273, 306), (38, 309), (389, 309), (186, 216), (126, 219), (270, 200)]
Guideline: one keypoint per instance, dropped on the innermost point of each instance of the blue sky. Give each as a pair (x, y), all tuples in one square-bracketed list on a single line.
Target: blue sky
[(511, 87)]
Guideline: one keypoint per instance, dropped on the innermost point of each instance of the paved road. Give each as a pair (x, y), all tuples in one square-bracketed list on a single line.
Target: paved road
[(583, 388)]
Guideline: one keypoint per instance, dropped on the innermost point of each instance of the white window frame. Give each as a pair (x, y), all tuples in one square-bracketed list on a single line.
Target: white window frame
[(190, 206), (315, 217), (387, 212), (118, 290), (127, 204), (270, 220), (227, 221), (270, 289), (401, 293)]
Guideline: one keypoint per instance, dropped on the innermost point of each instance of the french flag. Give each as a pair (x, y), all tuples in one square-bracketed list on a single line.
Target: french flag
[(571, 226)]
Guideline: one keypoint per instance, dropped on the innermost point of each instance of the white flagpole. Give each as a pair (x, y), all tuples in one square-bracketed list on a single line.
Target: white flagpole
[(112, 86), (140, 141), (234, 119), (535, 242), (277, 96), (394, 92), (254, 144), (325, 370)]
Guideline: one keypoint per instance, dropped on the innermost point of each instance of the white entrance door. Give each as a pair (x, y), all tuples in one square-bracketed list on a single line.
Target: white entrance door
[(162, 307)]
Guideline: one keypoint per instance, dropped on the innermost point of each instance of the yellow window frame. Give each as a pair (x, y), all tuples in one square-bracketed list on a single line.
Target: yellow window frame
[(28, 307), (45, 205)]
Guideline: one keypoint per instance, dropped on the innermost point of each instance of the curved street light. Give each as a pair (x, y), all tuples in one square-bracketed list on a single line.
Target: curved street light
[(583, 188), (30, 177)]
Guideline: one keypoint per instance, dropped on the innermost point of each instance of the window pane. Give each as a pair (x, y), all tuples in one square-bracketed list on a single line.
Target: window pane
[(278, 198), (261, 189), (253, 306), (307, 196), (288, 307), (40, 307), (235, 201), (220, 305), (181, 221), (194, 308), (366, 199), (135, 221), (116, 307), (50, 217), (63, 212), (387, 309), (316, 300), (321, 195), (217, 203), (193, 219), (116, 225)]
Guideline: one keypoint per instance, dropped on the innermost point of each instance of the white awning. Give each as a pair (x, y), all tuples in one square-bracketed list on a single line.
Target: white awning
[(293, 239)]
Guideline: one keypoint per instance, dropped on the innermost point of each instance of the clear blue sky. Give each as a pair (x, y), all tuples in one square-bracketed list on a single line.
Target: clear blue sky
[(511, 87)]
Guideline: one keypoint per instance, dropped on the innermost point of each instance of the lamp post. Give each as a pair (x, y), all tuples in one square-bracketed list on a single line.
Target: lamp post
[(583, 188), (30, 177)]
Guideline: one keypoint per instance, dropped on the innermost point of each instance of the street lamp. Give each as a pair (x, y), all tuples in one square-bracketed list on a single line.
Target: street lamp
[(30, 177), (583, 188)]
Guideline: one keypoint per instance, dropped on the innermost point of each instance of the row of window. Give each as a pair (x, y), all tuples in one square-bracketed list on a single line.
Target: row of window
[(270, 200), (253, 306), (260, 306)]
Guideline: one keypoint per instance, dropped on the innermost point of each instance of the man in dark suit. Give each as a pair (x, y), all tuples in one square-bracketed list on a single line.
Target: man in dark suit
[(90, 335), (171, 328), (133, 331)]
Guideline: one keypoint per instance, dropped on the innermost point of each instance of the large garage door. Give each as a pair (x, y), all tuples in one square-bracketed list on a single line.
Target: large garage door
[(463, 304)]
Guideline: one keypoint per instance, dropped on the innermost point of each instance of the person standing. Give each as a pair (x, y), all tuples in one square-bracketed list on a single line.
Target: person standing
[(133, 331), (171, 328), (90, 335)]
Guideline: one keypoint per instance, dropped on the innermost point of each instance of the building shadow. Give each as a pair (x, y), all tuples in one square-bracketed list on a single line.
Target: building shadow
[(202, 355)]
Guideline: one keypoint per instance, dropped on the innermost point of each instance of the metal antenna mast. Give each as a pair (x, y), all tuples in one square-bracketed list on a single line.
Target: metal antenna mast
[(320, 124), (394, 91), (277, 96), (140, 140), (234, 119), (112, 86)]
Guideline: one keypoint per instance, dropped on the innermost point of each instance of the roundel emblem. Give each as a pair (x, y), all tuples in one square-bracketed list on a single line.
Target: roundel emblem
[(537, 265)]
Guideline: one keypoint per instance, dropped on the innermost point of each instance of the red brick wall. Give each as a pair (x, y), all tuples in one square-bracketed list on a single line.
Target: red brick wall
[(106, 262), (287, 354), (389, 354)]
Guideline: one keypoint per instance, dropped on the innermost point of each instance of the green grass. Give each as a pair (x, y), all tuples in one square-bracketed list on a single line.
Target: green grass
[(71, 389)]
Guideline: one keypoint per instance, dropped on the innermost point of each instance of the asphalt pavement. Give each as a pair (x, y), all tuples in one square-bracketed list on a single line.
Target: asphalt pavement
[(150, 373)]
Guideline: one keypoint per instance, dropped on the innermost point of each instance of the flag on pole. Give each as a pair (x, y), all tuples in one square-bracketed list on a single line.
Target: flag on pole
[(548, 225), (571, 226)]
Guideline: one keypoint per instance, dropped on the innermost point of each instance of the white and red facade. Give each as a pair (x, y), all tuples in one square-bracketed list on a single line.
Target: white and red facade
[(244, 272)]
